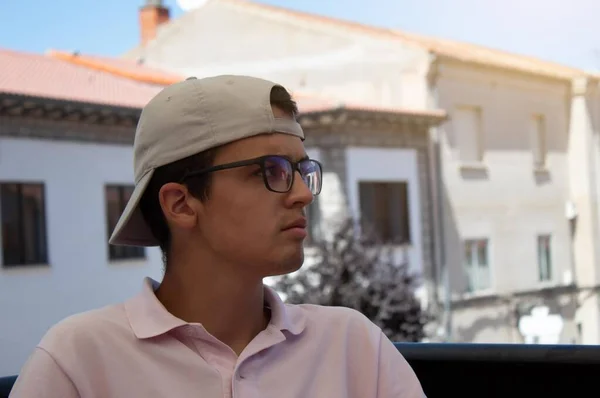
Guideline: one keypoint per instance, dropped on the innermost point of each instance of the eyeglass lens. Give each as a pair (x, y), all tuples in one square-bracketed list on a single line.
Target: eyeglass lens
[(279, 174)]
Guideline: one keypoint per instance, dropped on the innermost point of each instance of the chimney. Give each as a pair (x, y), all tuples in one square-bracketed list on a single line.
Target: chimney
[(152, 15)]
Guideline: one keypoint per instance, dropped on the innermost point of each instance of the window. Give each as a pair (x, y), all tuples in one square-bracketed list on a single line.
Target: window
[(537, 132), (23, 224), (477, 264), (544, 258), (313, 216), (116, 200), (384, 210), (469, 136)]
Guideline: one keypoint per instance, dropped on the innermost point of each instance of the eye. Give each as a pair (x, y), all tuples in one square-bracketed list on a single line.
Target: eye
[(274, 171), (270, 171)]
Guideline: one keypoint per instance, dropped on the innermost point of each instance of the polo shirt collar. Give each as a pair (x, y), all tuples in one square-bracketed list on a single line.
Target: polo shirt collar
[(149, 318)]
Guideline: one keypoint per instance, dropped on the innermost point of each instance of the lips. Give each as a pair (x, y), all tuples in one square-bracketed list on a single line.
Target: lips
[(298, 223)]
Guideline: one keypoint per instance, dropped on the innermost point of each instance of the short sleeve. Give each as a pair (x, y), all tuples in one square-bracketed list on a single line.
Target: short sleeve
[(396, 378), (42, 377)]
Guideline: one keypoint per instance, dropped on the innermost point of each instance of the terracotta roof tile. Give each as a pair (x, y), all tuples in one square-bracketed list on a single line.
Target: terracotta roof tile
[(42, 76), (92, 79), (120, 67), (127, 69)]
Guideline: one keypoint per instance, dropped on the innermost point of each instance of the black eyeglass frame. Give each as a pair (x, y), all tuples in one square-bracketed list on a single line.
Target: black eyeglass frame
[(260, 161)]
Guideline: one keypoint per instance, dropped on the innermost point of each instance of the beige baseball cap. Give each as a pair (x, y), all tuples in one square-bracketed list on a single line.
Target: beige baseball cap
[(187, 118)]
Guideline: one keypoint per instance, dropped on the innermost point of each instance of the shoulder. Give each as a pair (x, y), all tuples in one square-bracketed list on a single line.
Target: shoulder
[(85, 332), (349, 334), (331, 314), (340, 323), (67, 350)]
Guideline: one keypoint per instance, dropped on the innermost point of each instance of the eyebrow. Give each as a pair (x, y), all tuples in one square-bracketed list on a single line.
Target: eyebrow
[(288, 156)]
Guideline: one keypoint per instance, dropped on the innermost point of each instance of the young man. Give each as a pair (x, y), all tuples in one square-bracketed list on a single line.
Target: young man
[(222, 180)]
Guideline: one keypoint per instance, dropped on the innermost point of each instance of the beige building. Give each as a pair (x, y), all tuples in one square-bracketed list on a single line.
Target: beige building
[(514, 171)]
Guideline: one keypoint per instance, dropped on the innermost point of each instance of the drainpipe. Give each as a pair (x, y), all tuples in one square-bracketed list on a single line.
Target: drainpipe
[(441, 267)]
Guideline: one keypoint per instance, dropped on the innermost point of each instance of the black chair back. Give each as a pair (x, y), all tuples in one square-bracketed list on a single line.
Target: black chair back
[(6, 384), (491, 370), (504, 370)]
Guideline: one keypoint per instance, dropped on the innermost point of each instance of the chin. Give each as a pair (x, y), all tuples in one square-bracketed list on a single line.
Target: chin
[(288, 264)]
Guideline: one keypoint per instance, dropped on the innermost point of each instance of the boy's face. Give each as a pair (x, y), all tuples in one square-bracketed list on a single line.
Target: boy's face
[(245, 222)]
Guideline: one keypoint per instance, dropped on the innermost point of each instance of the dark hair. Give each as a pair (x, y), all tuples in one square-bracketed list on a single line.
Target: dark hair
[(199, 186), (281, 99)]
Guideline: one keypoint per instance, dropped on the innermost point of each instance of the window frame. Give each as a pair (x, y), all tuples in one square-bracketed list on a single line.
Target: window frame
[(117, 253), (41, 255), (475, 270), (384, 205), (544, 275)]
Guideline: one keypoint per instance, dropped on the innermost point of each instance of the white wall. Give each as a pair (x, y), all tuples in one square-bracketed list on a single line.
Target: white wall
[(380, 164), (79, 276), (504, 198), (302, 55)]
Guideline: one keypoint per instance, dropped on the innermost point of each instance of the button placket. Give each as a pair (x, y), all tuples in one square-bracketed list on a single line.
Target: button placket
[(239, 377)]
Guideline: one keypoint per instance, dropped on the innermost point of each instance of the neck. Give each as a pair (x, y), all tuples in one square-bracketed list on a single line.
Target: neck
[(227, 304)]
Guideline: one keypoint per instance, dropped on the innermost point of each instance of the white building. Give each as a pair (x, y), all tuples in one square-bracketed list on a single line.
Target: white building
[(521, 145), (66, 171), (65, 167), (503, 197)]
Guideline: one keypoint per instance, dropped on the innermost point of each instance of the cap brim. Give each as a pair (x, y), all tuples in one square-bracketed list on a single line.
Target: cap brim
[(131, 229)]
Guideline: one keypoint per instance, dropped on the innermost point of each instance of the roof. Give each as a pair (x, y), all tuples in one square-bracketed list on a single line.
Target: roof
[(42, 76), (310, 104), (476, 54), (126, 69), (119, 67), (107, 81), (455, 50)]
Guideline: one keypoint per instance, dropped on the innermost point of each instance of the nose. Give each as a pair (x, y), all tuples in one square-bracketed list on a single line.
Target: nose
[(300, 194)]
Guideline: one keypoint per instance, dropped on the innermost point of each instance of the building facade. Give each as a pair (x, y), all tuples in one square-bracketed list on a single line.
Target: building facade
[(515, 203), (66, 174), (507, 188)]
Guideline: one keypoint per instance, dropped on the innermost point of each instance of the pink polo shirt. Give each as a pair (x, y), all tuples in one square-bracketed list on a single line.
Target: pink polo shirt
[(138, 349)]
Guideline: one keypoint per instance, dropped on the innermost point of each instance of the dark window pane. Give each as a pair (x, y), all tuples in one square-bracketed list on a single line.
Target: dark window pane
[(116, 197), (23, 224), (11, 226), (113, 211), (34, 235), (399, 214), (384, 210)]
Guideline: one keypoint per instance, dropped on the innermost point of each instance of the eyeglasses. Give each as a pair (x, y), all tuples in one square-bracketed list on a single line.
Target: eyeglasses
[(278, 172)]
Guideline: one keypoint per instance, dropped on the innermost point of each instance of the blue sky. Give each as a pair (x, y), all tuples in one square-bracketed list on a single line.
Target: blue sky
[(557, 30)]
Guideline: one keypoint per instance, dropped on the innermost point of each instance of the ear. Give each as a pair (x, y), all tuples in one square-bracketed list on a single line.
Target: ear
[(176, 203)]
